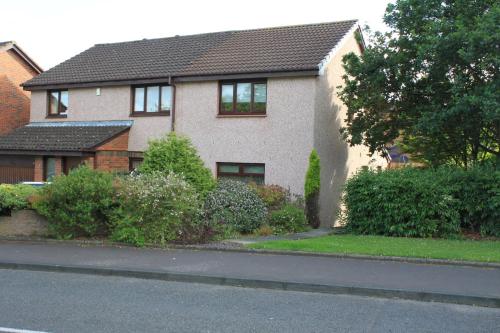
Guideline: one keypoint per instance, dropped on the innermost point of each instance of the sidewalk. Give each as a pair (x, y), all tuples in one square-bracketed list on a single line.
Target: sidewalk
[(443, 283)]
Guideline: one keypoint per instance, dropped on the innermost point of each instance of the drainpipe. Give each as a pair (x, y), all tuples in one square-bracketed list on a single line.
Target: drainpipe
[(172, 115)]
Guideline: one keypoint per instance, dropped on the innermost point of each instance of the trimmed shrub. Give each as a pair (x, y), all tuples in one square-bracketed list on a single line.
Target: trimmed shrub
[(273, 196), (15, 197), (424, 203), (78, 204), (176, 154), (311, 190), (288, 219), (158, 208), (478, 192), (235, 205)]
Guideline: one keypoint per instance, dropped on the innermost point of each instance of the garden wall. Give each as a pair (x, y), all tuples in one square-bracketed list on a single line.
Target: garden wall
[(24, 222)]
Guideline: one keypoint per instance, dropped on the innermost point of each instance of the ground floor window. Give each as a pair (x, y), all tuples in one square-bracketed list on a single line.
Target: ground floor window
[(49, 168), (245, 172)]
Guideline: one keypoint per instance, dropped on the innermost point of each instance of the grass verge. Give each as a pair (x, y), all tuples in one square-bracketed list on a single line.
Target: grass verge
[(470, 250)]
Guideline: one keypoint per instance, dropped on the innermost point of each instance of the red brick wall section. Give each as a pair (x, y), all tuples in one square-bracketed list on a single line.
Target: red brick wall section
[(118, 143), (113, 161), (38, 175), (113, 155), (59, 166), (14, 101), (89, 161)]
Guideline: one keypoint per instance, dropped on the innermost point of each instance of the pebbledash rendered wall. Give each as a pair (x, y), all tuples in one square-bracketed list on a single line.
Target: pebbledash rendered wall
[(112, 104), (282, 139), (338, 160)]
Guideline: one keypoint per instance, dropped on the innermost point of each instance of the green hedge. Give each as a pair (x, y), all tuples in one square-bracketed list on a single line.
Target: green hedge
[(423, 203), (15, 197)]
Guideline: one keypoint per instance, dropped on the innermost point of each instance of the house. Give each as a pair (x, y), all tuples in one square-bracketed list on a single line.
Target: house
[(254, 103), (15, 68)]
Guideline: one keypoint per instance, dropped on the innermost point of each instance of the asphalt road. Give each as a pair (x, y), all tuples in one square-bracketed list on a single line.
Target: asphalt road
[(62, 302)]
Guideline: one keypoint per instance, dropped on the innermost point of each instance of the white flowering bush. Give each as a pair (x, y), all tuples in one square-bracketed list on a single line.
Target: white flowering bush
[(235, 205), (157, 208)]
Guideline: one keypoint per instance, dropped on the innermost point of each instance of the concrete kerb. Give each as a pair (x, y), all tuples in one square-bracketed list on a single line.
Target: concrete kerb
[(263, 284)]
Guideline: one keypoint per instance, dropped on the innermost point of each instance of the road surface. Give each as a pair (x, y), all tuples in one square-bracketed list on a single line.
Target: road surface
[(63, 302)]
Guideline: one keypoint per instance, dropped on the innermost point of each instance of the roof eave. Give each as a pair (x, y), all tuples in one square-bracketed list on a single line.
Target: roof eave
[(41, 152), (179, 78)]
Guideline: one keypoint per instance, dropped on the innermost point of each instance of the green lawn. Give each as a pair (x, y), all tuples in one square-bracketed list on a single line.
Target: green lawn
[(391, 246)]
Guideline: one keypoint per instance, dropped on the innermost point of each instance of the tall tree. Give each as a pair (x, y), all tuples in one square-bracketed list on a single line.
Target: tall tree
[(431, 82)]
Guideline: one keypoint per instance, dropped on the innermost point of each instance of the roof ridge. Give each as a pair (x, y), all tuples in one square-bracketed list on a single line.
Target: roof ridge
[(232, 31), (292, 48)]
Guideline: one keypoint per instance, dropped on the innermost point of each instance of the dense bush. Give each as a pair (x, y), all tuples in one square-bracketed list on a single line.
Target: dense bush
[(177, 154), (236, 205), (273, 196), (311, 190), (423, 203), (159, 208), (15, 197), (478, 193), (288, 219), (78, 204)]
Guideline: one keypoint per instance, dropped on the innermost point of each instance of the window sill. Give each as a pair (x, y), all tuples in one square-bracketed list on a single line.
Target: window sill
[(57, 116), (150, 114), (241, 115)]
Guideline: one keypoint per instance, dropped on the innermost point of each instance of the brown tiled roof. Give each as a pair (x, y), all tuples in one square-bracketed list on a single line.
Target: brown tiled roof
[(280, 49), (61, 136)]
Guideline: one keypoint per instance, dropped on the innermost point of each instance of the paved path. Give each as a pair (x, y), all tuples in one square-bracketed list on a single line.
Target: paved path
[(62, 302), (397, 276), (301, 235)]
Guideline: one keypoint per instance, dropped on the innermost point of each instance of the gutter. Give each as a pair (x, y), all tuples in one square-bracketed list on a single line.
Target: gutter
[(192, 78)]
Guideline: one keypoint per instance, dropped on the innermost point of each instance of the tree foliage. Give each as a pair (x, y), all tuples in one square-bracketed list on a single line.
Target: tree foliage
[(431, 82)]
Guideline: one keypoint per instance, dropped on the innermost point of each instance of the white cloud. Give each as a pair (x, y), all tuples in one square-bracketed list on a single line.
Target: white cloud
[(51, 31)]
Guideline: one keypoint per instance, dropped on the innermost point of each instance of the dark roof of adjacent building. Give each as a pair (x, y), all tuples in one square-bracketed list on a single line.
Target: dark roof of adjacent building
[(279, 49), (62, 136), (11, 45)]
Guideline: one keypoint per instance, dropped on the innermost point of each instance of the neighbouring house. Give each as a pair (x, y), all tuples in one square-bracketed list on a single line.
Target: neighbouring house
[(254, 103), (15, 68)]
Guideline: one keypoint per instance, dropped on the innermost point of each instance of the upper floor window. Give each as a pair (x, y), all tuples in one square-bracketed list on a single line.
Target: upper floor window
[(58, 102), (243, 97), (152, 100)]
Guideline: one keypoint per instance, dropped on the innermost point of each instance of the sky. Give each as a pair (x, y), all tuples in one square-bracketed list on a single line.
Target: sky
[(51, 31)]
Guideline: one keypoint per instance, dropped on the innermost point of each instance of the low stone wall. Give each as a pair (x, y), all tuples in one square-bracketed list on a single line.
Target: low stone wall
[(23, 223)]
